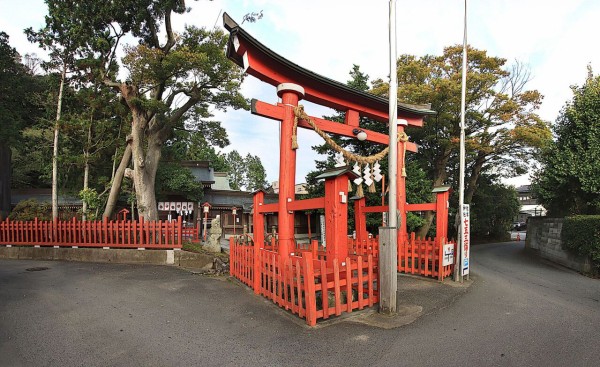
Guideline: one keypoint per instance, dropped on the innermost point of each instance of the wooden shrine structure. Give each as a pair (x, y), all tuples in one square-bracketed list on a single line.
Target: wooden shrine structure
[(317, 281)]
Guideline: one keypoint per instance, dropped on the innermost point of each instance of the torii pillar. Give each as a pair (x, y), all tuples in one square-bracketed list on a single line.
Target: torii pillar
[(290, 94)]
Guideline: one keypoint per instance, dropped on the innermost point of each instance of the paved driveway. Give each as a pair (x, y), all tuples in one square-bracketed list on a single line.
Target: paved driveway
[(519, 312)]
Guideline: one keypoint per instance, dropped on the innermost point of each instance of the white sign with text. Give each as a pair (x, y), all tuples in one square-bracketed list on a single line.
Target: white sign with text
[(448, 254), (466, 240)]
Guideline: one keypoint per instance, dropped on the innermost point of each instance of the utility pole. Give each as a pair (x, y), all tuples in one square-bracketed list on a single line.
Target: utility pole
[(388, 236), (460, 255)]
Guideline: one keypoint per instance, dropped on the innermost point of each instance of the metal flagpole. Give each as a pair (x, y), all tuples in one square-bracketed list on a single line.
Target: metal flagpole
[(388, 236), (458, 268)]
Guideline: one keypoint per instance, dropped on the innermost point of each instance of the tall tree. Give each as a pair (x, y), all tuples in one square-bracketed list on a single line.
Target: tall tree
[(502, 128), (170, 75), (237, 170), (569, 179), (19, 107), (256, 176), (61, 42)]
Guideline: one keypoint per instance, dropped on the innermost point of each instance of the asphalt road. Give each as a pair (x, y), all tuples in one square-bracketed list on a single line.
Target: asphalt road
[(518, 312)]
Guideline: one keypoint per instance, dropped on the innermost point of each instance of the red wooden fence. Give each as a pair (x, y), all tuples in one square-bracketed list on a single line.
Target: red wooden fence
[(304, 284), (423, 257), (74, 233)]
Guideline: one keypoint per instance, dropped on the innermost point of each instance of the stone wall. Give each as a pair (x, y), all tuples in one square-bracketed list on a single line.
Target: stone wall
[(543, 235)]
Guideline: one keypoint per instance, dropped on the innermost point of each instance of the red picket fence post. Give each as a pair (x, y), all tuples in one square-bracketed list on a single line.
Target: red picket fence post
[(309, 289)]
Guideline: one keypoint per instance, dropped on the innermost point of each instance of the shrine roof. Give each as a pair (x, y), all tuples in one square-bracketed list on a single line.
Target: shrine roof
[(337, 171), (258, 60)]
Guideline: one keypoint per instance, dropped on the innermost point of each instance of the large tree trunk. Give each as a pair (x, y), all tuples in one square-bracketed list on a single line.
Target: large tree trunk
[(475, 173), (86, 178), (86, 172), (111, 203), (145, 165), (55, 146), (5, 178)]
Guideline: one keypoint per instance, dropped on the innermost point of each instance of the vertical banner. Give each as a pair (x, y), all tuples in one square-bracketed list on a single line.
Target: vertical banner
[(466, 243), (322, 222)]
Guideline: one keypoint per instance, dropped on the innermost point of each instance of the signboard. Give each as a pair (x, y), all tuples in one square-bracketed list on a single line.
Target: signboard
[(466, 240), (161, 206), (322, 221), (448, 258), (171, 206)]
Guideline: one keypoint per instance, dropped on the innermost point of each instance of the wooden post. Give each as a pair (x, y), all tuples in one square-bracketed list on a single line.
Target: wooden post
[(388, 273), (309, 289), (179, 233), (336, 218), (259, 238), (441, 213), (308, 221), (290, 95), (360, 220)]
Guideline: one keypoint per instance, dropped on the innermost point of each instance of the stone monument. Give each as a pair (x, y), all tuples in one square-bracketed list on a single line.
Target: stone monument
[(213, 243)]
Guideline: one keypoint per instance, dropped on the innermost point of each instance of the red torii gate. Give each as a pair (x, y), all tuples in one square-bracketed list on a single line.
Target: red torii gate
[(285, 278), (294, 83)]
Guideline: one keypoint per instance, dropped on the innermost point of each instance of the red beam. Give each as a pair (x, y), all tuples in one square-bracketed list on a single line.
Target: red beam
[(267, 208), (276, 113), (420, 207), (307, 204), (376, 209)]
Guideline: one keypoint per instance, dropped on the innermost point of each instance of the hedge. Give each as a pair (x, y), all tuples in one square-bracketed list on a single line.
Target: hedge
[(581, 235)]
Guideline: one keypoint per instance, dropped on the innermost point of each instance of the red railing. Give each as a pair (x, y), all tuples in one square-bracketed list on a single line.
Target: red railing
[(304, 285), (105, 233), (191, 233), (241, 260), (366, 247), (423, 257)]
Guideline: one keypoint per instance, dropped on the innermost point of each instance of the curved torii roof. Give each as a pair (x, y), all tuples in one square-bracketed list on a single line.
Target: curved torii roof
[(268, 66)]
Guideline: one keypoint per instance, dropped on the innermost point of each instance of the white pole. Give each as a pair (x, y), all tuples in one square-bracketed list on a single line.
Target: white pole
[(393, 128), (388, 236), (461, 183)]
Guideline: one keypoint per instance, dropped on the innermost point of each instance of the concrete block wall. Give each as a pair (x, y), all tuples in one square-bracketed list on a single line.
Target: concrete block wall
[(544, 236)]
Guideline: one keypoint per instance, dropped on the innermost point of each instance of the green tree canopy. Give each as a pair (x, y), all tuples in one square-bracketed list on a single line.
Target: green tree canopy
[(20, 107), (493, 209), (503, 131), (569, 179), (256, 176)]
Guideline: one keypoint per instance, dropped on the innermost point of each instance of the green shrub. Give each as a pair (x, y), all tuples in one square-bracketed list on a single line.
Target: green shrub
[(581, 235), (30, 209)]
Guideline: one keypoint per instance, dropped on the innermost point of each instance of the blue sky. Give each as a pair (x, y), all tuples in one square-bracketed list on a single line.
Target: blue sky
[(555, 39)]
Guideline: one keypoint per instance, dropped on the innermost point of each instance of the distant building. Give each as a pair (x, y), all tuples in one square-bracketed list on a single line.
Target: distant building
[(69, 206), (529, 204), (299, 189)]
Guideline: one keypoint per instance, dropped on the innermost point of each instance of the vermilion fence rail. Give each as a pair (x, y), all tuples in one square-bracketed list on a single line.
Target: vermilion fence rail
[(423, 257), (365, 247), (305, 285), (74, 233)]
